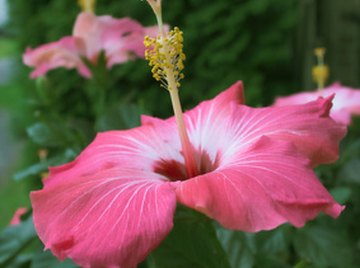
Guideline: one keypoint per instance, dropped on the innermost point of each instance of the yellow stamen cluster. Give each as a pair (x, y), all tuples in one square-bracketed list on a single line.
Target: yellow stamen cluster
[(87, 5), (165, 55), (321, 71)]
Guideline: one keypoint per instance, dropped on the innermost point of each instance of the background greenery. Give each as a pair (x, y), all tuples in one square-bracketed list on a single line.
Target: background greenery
[(266, 43)]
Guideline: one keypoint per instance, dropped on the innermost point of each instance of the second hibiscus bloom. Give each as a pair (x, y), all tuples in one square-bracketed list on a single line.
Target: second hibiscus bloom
[(120, 40), (345, 104)]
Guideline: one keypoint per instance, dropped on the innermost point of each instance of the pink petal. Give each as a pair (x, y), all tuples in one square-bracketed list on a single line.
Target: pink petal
[(216, 127), (235, 93), (346, 101), (149, 120), (130, 45), (120, 39), (202, 123), (138, 149), (62, 53), (88, 30), (108, 208), (112, 218), (262, 187), (127, 48), (345, 97), (16, 219)]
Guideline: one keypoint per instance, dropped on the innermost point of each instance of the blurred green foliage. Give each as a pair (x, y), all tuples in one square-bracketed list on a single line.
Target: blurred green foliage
[(8, 47), (225, 41)]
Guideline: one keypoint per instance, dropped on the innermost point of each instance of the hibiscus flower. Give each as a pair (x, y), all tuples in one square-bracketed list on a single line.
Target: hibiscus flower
[(121, 40), (115, 202), (346, 101)]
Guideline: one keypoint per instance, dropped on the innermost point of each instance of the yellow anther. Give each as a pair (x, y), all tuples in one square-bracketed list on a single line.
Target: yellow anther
[(166, 56), (87, 5), (320, 72)]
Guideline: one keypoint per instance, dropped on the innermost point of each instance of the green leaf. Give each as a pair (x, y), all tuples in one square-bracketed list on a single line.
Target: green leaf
[(32, 170), (323, 247), (350, 150), (121, 116), (351, 171), (273, 247), (270, 261), (14, 239), (303, 264), (240, 247), (37, 168), (341, 194), (39, 133), (192, 243), (20, 261), (273, 241), (46, 260), (47, 134)]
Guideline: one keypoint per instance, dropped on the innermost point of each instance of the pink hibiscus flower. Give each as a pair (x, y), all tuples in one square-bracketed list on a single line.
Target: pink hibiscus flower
[(345, 103), (115, 203), (120, 39)]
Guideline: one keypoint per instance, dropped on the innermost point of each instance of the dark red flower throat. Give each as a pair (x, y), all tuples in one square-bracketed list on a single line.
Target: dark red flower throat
[(176, 171)]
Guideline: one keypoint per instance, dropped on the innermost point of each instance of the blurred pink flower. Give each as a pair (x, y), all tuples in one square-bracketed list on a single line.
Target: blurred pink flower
[(115, 203), (16, 219), (63, 53), (120, 39), (345, 103)]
